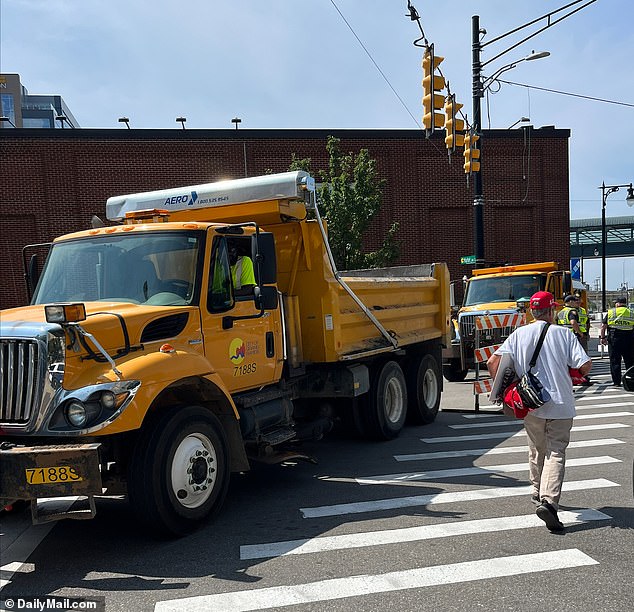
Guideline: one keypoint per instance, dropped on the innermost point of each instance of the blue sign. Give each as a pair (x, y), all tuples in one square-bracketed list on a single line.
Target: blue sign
[(575, 268)]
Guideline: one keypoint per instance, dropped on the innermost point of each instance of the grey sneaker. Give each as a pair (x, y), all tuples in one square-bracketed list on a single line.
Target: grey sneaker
[(548, 514), (535, 499)]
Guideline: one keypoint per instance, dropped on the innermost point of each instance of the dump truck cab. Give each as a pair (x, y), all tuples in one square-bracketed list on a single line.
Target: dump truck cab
[(493, 291)]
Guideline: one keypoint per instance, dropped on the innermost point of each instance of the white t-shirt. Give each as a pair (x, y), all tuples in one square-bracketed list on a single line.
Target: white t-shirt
[(561, 350)]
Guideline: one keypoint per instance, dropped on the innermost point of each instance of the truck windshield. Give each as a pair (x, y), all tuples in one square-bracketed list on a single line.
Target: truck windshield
[(502, 288), (156, 268)]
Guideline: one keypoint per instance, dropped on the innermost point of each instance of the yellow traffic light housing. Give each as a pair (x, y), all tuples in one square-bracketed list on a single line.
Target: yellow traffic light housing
[(432, 83), (453, 126), (471, 154)]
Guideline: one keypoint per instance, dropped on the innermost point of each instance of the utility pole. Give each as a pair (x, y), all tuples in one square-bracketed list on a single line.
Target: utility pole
[(478, 197)]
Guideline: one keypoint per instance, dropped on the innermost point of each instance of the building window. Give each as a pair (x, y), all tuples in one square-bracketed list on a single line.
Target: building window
[(8, 108), (36, 122)]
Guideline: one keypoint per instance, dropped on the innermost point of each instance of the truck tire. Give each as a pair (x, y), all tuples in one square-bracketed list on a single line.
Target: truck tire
[(424, 388), (179, 472), (386, 406), (453, 371)]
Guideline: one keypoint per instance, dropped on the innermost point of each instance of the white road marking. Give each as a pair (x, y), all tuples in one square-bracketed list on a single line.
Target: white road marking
[(500, 450), (367, 584), (403, 478), (590, 397), (14, 551), (510, 434), (411, 501), (412, 534), (507, 422), (612, 405)]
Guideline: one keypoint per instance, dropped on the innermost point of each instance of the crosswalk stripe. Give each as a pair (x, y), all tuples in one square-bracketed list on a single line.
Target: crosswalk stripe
[(474, 470), (501, 450), (596, 397), (394, 503), (412, 534), (367, 584), (510, 434), (507, 422), (613, 405)]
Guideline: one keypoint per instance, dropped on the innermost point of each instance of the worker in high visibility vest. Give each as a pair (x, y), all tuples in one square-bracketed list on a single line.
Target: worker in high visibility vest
[(575, 317), (617, 332), (242, 272)]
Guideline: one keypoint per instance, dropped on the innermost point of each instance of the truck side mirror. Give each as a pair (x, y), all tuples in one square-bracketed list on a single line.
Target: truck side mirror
[(265, 298), (263, 257)]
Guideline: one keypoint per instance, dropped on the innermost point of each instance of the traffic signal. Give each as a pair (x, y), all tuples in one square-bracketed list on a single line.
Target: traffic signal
[(453, 126), (471, 154), (431, 84)]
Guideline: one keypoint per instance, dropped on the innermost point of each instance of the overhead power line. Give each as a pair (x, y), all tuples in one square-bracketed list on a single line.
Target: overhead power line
[(566, 93), (375, 64)]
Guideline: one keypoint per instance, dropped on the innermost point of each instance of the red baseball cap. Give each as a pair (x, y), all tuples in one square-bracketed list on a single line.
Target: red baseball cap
[(542, 300)]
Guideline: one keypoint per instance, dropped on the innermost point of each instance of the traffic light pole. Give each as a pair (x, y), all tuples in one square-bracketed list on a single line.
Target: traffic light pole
[(478, 197)]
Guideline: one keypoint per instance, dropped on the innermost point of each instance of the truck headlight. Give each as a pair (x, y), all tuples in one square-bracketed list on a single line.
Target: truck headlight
[(108, 400), (76, 414)]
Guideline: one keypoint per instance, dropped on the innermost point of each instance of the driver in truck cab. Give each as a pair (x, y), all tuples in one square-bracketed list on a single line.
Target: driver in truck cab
[(242, 272)]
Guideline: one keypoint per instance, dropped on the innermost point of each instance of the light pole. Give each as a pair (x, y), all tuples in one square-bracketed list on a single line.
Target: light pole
[(479, 86), (606, 190), (181, 120), (125, 120)]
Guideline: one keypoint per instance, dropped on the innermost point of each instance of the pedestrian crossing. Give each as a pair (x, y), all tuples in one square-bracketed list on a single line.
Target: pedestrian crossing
[(461, 485)]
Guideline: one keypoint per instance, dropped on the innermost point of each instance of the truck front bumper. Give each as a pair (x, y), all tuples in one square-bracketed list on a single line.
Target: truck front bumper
[(65, 470)]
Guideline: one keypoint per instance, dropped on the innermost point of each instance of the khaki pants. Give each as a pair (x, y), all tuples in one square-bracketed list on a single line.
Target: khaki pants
[(547, 443)]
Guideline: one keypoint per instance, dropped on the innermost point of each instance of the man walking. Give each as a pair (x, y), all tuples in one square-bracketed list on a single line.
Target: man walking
[(547, 427), (618, 325)]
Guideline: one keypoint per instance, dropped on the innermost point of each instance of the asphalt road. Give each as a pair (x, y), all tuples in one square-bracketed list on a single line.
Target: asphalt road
[(439, 519)]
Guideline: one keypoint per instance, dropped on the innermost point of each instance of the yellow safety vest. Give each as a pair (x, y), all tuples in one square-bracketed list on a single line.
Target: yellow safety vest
[(563, 318), (620, 318)]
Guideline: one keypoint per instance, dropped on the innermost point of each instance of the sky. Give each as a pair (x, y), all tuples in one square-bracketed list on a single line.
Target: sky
[(297, 64)]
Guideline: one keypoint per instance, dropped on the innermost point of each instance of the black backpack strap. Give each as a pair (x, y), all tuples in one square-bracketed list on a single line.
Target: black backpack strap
[(538, 348)]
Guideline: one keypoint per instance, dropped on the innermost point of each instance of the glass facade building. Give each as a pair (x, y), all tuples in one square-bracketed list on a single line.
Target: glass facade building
[(20, 109)]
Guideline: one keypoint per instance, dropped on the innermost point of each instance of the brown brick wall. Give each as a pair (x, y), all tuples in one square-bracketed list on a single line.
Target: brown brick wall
[(53, 181)]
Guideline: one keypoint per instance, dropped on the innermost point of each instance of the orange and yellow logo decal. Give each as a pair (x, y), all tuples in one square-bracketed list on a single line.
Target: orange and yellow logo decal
[(237, 351)]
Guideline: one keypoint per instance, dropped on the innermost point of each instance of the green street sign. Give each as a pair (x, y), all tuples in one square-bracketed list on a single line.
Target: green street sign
[(468, 259)]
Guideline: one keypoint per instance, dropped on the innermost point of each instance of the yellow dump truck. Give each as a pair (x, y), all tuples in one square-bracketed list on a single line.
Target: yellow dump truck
[(497, 290), (148, 366)]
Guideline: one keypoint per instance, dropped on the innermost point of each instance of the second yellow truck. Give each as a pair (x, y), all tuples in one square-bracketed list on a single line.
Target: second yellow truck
[(142, 367)]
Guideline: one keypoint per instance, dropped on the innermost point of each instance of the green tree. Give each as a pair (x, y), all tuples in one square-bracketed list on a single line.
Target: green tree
[(349, 197)]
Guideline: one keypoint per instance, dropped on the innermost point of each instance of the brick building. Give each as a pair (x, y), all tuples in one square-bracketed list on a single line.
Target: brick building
[(53, 181)]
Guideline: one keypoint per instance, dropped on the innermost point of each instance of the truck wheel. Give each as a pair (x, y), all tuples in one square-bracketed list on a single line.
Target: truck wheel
[(386, 406), (179, 473), (424, 387), (453, 371)]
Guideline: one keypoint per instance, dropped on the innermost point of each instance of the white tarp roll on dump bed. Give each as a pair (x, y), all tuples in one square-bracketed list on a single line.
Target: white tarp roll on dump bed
[(287, 185)]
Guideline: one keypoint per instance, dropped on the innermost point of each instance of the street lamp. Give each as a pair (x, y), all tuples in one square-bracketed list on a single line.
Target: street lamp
[(125, 120), (606, 190), (478, 88), (521, 120), (181, 120), (4, 119), (236, 120), (62, 119)]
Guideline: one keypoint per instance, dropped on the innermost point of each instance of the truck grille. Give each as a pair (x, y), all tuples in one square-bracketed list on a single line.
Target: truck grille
[(19, 381)]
